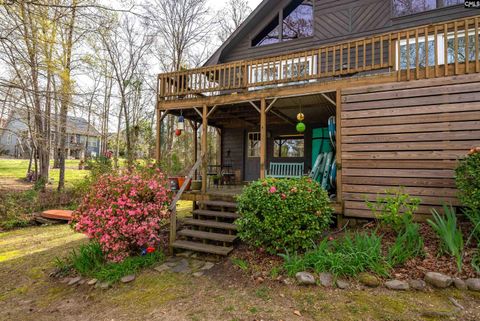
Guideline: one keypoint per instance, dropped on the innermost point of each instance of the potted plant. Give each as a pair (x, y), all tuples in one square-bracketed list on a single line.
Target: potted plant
[(217, 179), (196, 185)]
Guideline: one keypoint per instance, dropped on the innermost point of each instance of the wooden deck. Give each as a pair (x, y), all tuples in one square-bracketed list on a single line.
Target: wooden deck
[(229, 193)]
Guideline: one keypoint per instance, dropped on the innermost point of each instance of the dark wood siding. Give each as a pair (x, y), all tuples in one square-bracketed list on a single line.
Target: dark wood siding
[(335, 20), (232, 140), (407, 134)]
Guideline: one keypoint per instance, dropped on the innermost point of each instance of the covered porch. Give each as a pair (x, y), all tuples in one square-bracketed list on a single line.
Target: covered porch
[(257, 137)]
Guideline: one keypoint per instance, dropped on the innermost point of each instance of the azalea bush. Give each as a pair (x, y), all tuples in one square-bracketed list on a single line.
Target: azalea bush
[(283, 214), (467, 178), (124, 212)]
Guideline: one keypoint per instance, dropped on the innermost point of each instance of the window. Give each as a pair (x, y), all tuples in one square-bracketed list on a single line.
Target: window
[(9, 139), (297, 23), (461, 47), (297, 20), (296, 69), (271, 34), (288, 146), (253, 144), (412, 54), (93, 143), (406, 7)]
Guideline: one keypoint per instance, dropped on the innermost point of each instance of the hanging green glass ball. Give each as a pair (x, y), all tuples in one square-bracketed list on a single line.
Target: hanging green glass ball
[(300, 127)]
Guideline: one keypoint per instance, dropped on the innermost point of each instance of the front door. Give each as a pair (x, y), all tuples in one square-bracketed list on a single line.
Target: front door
[(252, 156)]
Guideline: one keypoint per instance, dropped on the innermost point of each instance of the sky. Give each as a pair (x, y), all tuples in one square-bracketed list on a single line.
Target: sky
[(217, 4)]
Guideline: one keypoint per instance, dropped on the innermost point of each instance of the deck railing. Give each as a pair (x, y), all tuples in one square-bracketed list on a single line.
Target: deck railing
[(422, 52)]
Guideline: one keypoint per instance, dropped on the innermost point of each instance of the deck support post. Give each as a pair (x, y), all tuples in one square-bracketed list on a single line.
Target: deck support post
[(158, 152), (338, 147), (204, 147), (194, 126), (263, 137)]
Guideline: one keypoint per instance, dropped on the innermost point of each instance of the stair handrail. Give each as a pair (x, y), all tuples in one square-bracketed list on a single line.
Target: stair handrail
[(173, 205)]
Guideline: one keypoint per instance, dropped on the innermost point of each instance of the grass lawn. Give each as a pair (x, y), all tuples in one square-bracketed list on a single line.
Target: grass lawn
[(17, 168), (224, 293)]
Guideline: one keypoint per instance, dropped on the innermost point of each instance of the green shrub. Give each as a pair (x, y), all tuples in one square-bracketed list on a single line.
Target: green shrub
[(347, 256), (408, 244), (467, 178), (15, 208), (89, 261), (283, 214), (395, 209), (451, 236)]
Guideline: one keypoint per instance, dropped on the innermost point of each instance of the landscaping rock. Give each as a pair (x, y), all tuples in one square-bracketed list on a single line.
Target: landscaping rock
[(342, 284), (473, 284), (103, 285), (182, 267), (185, 254), (75, 280), (197, 274), (208, 266), (397, 285), (418, 284), (305, 278), (326, 279), (196, 264), (369, 280), (128, 278), (161, 268), (459, 284), (438, 280), (92, 282)]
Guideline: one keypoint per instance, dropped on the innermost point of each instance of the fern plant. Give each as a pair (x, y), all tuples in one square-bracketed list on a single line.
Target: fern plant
[(450, 234)]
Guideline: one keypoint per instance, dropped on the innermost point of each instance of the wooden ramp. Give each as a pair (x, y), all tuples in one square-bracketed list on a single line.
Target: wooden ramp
[(211, 228)]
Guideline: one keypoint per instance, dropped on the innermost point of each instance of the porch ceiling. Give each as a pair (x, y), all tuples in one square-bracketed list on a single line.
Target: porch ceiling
[(315, 107)]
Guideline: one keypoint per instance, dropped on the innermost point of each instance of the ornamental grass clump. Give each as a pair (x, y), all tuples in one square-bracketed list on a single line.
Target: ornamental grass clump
[(124, 212), (283, 214)]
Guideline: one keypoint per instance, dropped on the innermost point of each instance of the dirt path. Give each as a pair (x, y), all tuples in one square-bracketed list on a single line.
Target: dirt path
[(224, 293), (10, 184)]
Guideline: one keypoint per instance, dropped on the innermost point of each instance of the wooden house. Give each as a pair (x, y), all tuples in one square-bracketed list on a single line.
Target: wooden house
[(400, 77)]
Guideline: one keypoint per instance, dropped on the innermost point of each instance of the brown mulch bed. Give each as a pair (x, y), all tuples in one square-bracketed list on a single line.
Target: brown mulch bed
[(261, 263)]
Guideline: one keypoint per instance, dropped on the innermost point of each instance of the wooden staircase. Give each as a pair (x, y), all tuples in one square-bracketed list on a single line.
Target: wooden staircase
[(211, 228)]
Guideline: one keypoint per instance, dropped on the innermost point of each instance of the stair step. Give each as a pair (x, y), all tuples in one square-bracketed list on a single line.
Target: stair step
[(219, 204), (200, 247), (208, 235), (216, 214), (212, 224)]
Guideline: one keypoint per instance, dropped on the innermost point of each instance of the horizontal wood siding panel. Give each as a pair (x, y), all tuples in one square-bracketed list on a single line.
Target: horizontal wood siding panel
[(407, 134)]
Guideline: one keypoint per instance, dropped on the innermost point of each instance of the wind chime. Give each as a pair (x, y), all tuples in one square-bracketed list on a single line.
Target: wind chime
[(300, 125), (180, 125)]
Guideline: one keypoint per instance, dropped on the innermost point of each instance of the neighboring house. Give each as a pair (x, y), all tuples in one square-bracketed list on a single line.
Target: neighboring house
[(83, 140), (401, 78)]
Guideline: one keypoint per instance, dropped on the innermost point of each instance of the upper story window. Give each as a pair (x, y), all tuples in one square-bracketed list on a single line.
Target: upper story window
[(406, 7), (297, 22)]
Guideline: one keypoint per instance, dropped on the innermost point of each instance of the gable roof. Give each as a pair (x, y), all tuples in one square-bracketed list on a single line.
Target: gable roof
[(75, 125), (241, 30)]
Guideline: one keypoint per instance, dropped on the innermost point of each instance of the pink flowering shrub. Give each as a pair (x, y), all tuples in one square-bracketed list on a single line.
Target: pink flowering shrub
[(124, 212)]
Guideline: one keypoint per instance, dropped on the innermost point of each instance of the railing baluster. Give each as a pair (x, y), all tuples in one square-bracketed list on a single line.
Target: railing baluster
[(408, 53), (334, 63), (435, 49), (445, 44), (364, 54), (425, 33), (398, 58), (341, 58), (477, 63), (373, 52), (381, 51), (455, 46), (356, 55), (348, 57), (417, 56), (467, 53)]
